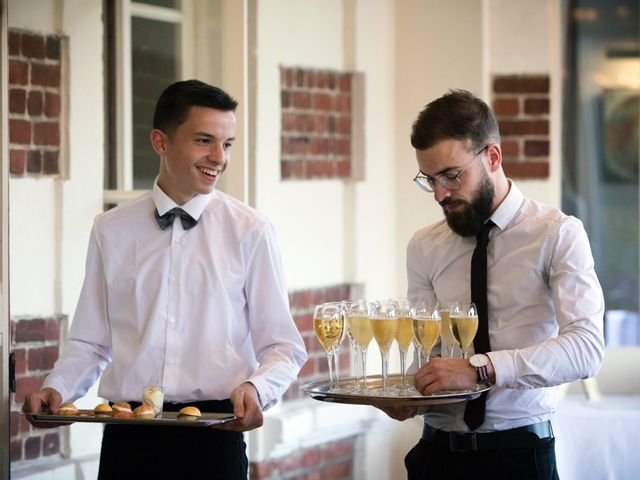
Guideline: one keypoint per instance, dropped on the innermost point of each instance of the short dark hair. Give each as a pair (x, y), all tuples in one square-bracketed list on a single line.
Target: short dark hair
[(456, 115), (175, 101)]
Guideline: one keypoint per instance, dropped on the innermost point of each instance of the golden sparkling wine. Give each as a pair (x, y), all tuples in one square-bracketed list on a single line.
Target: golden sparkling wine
[(329, 330), (361, 331), (384, 331), (464, 329), (427, 332), (445, 332), (404, 333)]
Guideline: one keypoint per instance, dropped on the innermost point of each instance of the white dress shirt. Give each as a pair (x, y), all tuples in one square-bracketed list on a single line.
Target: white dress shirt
[(198, 311), (545, 306)]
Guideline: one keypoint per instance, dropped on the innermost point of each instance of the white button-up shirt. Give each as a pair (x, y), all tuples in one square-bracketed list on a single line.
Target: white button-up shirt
[(198, 311), (546, 306)]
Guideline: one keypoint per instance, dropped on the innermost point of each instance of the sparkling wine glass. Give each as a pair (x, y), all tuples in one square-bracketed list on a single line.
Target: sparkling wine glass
[(384, 321), (446, 335), (464, 324), (427, 325), (361, 333), (404, 337), (328, 323)]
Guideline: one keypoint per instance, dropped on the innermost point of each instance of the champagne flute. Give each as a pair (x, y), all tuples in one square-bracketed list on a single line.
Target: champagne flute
[(328, 323), (384, 321), (446, 335), (464, 324), (404, 337), (427, 325), (361, 333)]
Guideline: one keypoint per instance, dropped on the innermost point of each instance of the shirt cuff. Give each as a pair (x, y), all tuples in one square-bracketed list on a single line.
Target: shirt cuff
[(504, 368)]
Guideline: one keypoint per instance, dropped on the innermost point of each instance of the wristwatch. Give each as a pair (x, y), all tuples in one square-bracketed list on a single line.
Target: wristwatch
[(480, 362)]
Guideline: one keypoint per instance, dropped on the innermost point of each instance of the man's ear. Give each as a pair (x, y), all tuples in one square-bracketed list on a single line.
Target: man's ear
[(494, 152), (158, 141)]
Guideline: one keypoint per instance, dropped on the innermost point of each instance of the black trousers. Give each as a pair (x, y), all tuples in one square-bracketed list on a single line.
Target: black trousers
[(427, 461), (141, 452)]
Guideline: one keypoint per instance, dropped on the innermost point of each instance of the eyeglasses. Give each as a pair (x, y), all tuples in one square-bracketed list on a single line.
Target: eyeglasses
[(446, 180)]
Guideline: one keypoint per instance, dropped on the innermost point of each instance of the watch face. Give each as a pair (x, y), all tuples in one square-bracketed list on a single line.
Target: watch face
[(479, 360)]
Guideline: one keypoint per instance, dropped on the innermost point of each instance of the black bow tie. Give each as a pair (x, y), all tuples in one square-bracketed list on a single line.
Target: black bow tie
[(166, 220)]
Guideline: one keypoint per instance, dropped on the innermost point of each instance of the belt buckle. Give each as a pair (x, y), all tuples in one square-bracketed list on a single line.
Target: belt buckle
[(473, 441)]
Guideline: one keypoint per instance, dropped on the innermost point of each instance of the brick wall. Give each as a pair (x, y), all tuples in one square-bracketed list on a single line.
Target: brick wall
[(332, 460), (522, 105), (35, 104), (36, 345), (316, 121)]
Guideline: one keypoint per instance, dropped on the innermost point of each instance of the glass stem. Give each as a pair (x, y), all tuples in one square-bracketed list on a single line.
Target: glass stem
[(336, 366), (363, 353), (385, 371), (331, 377), (356, 363), (403, 375)]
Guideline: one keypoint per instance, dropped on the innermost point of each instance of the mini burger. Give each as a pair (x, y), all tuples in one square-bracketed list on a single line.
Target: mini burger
[(103, 410), (67, 409), (189, 413), (121, 410), (144, 411)]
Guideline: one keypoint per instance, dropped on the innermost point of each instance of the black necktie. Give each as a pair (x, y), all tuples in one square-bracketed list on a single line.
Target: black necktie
[(474, 411), (166, 220)]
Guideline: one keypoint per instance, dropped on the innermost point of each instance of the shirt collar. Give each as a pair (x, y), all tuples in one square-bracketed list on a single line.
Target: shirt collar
[(193, 207), (509, 207)]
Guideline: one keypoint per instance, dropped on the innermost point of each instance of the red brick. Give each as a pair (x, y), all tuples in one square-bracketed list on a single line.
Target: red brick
[(16, 450), (332, 80), (52, 329), (285, 100), (52, 47), (14, 423), (311, 78), (14, 43), (32, 46), (521, 84), (46, 133), (300, 145), (338, 470), (322, 101), (319, 169), (343, 146), (42, 358), (319, 146), (17, 100), (510, 148), (343, 103), (288, 122), (524, 127), (536, 148), (332, 124), (526, 169), (52, 104), (503, 107), (343, 168), (344, 125), (25, 385), (301, 78), (308, 369), (286, 77), (51, 444), (320, 123), (321, 80), (45, 75), (301, 100), (34, 161), (18, 72), (50, 165), (21, 360), (301, 299), (311, 343), (263, 470), (536, 106), (32, 448), (19, 131), (25, 426), (345, 82), (304, 322), (35, 103), (17, 161), (31, 330)]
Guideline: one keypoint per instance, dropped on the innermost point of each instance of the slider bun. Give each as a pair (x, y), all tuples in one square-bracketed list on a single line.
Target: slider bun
[(67, 409), (189, 413), (121, 407), (144, 411), (103, 409)]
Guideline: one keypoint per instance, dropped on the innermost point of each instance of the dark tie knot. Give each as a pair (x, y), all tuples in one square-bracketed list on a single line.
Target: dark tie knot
[(483, 235), (166, 220)]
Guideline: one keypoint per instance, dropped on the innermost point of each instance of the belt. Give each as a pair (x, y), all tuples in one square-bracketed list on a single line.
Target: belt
[(520, 437)]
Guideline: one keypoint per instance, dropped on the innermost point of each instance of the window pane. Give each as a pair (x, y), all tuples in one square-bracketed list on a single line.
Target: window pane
[(155, 63), (162, 3)]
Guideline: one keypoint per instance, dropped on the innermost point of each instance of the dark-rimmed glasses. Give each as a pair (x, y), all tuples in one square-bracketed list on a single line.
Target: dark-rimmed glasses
[(447, 180)]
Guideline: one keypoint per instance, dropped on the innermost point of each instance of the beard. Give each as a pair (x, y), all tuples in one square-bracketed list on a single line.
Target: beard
[(468, 221)]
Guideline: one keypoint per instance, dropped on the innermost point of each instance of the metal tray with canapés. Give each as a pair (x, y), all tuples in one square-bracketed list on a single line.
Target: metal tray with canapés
[(164, 419), (348, 392)]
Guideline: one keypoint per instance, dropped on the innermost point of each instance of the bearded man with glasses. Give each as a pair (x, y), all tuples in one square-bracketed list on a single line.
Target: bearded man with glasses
[(528, 268)]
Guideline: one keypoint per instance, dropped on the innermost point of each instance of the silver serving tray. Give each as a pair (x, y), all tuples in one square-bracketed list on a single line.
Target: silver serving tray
[(373, 394), (165, 419)]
